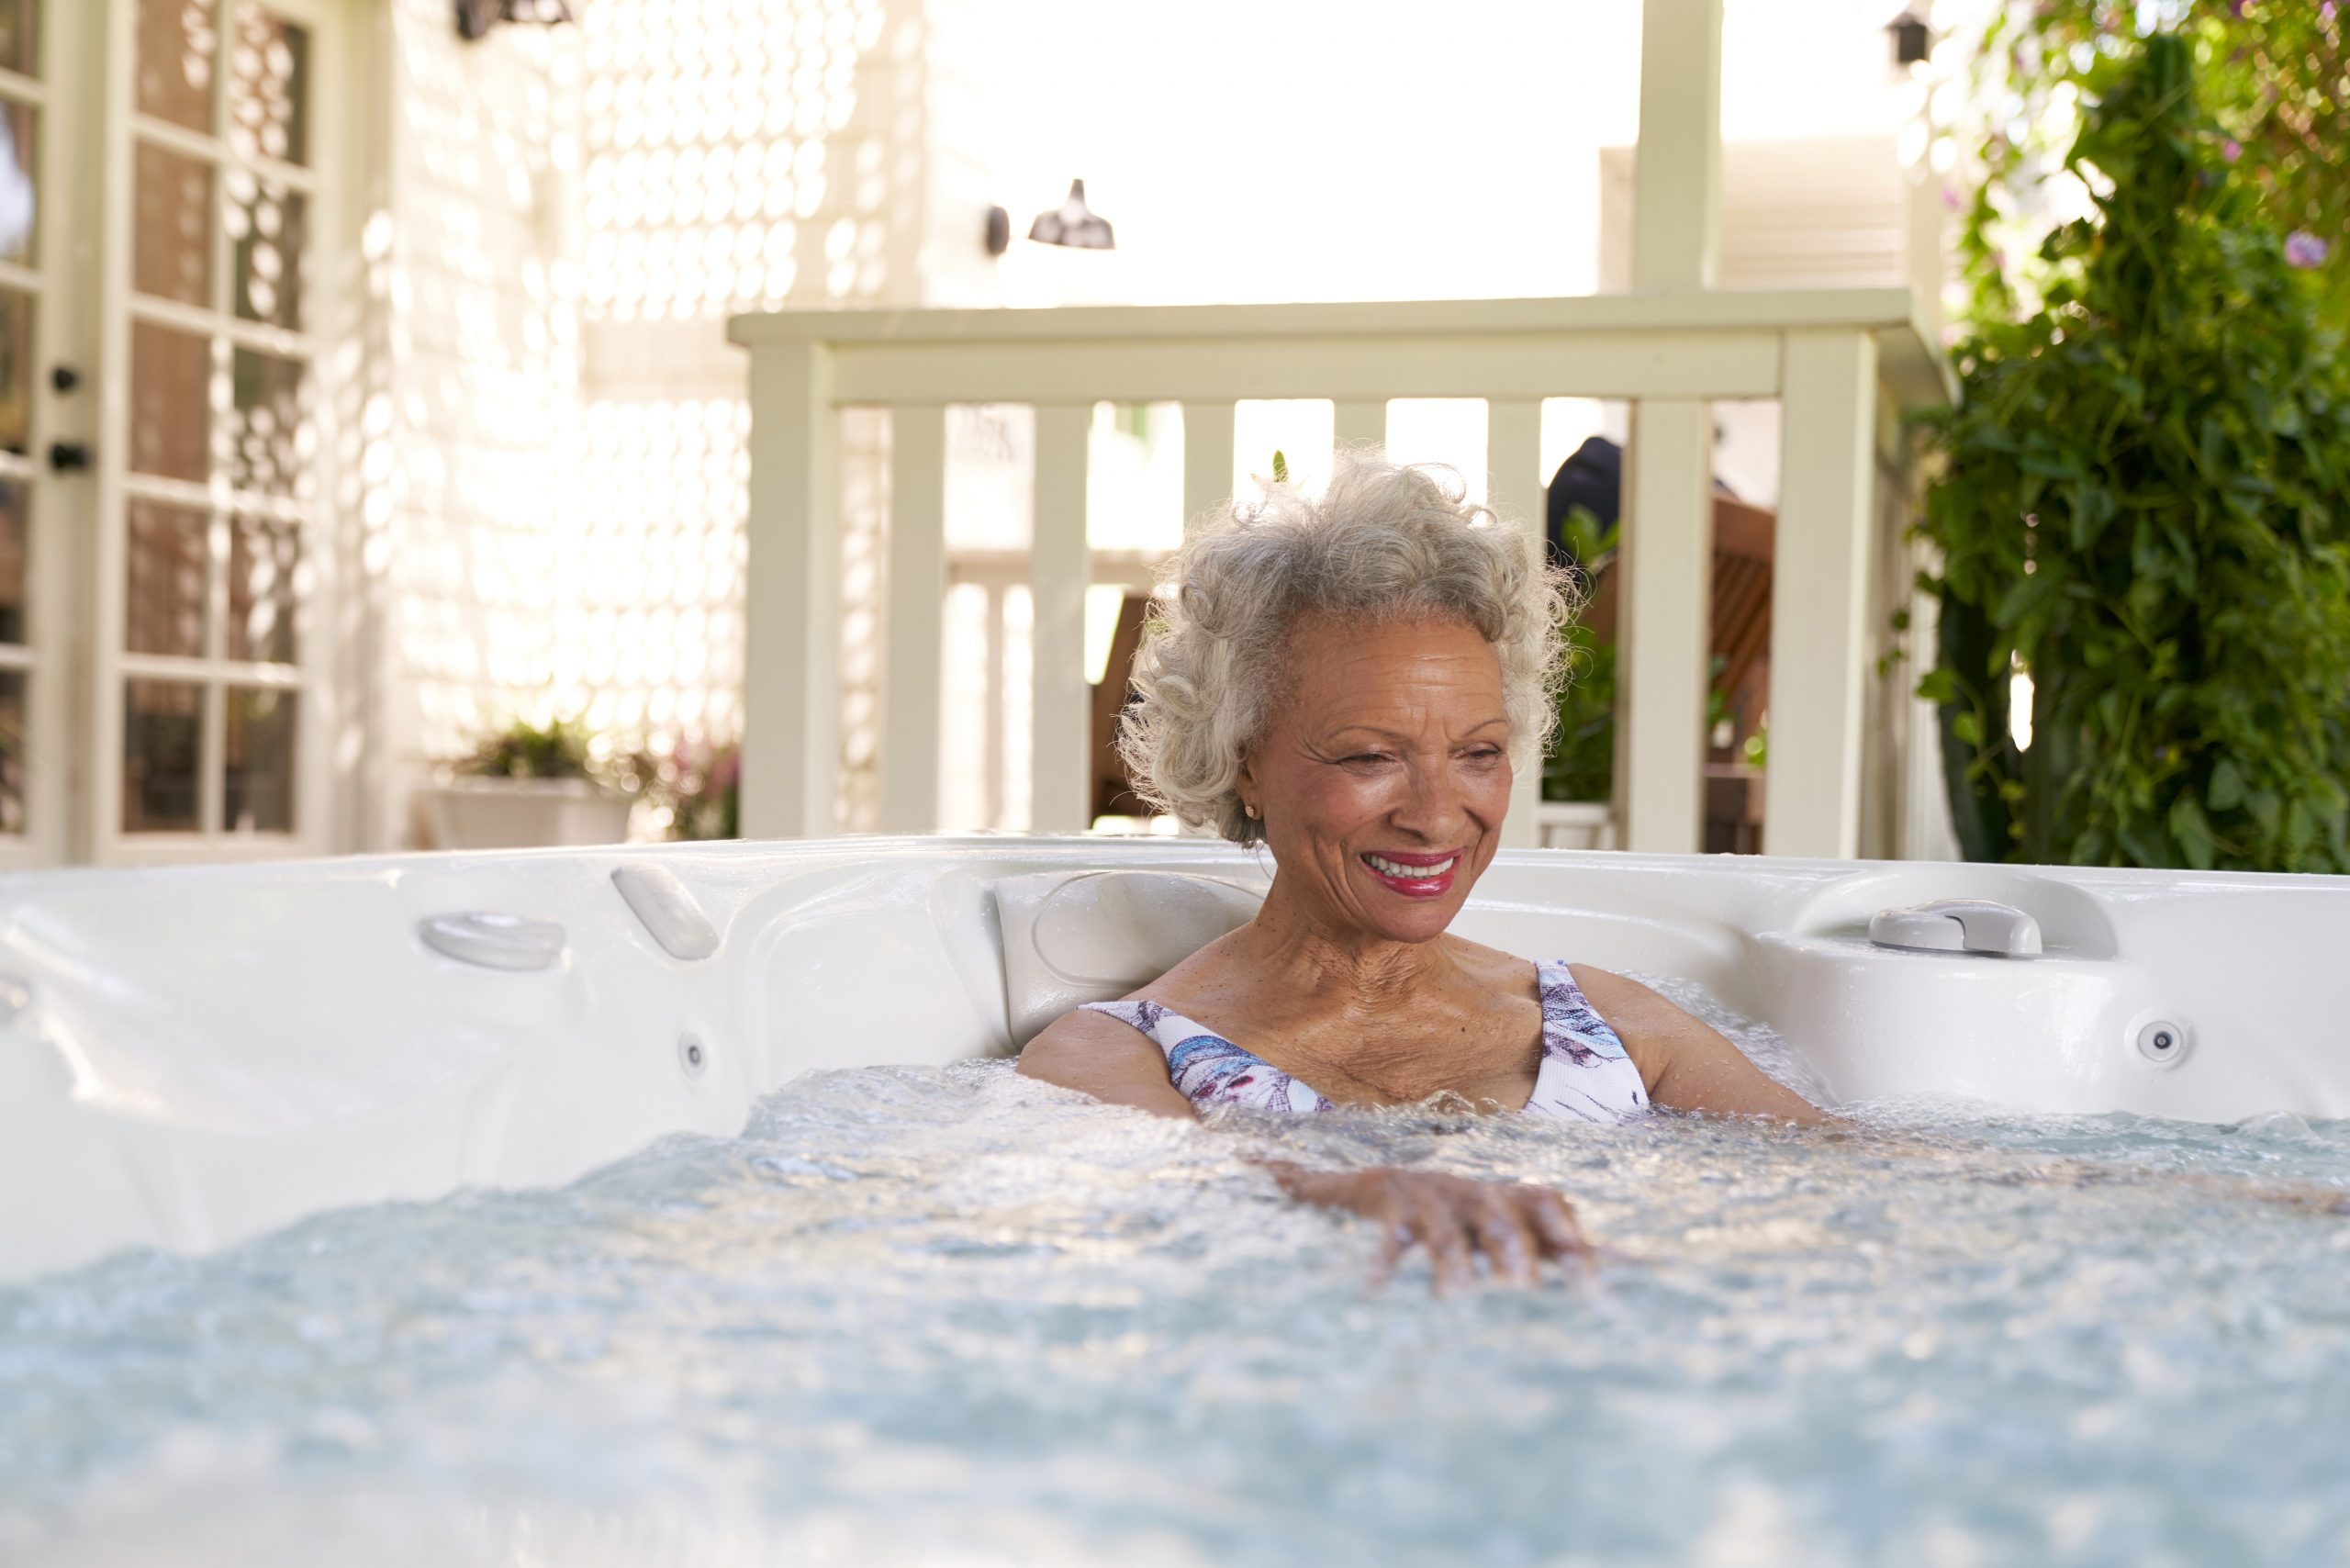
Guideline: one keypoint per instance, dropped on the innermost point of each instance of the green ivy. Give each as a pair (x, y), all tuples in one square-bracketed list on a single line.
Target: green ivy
[(2145, 503), (2274, 74)]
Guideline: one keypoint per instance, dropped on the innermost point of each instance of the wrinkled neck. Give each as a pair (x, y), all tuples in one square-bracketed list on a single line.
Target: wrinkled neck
[(1316, 954)]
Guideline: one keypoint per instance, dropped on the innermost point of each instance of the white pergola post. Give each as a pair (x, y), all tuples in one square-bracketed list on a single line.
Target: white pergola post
[(1059, 566), (1677, 166), (1358, 421), (913, 655), (1666, 560), (792, 597), (1667, 550), (1819, 594), (1514, 489), (1207, 460)]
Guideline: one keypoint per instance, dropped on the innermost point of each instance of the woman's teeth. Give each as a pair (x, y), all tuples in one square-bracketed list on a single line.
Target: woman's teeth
[(1385, 866)]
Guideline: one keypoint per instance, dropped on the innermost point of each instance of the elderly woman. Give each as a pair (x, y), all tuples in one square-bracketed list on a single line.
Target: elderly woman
[(1353, 682)]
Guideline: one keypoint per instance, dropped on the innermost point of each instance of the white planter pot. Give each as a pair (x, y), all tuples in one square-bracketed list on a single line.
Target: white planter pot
[(520, 814)]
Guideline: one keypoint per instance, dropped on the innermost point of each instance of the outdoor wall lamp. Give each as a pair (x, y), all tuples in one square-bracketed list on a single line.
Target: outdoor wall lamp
[(1912, 40), (476, 17), (1073, 224)]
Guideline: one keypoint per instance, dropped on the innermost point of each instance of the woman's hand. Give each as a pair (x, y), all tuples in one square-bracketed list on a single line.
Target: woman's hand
[(1514, 1225)]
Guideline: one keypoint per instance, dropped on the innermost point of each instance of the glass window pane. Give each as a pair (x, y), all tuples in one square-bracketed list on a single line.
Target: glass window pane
[(13, 534), (269, 437), (260, 793), (164, 582), (12, 751), (19, 183), (265, 574), (16, 371), (269, 80), (20, 37), (177, 46), (162, 726), (171, 240), (171, 413), (266, 223)]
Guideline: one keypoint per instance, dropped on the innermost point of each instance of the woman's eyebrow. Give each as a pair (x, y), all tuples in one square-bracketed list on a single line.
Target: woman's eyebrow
[(1341, 736)]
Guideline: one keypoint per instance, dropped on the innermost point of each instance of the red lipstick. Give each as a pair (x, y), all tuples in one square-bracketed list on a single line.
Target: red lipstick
[(1412, 872)]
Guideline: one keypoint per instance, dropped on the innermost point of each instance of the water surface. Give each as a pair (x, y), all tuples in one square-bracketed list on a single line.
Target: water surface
[(950, 1316)]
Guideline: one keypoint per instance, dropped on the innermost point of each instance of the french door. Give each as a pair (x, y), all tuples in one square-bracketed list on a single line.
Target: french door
[(43, 459), (207, 723)]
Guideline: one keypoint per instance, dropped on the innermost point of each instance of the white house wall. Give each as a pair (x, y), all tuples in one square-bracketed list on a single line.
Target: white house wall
[(573, 212), (476, 423)]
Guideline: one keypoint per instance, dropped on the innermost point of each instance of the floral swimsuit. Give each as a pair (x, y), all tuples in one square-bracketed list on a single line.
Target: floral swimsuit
[(1584, 1075)]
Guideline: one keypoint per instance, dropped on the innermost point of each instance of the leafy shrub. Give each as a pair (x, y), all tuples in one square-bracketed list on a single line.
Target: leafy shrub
[(1581, 763), (2145, 504)]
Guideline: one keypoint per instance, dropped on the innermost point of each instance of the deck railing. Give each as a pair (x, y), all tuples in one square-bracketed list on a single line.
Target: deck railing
[(1842, 363)]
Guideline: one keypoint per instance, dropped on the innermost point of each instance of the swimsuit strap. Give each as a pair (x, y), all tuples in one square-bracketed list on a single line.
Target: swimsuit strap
[(1585, 1074), (1208, 1068)]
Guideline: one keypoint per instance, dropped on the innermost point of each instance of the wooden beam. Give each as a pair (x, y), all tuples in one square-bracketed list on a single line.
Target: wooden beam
[(1736, 364)]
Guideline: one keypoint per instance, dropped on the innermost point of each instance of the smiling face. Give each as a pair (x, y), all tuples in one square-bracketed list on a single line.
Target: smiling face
[(1385, 773)]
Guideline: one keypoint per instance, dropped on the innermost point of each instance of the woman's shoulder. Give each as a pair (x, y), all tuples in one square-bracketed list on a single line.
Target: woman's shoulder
[(1490, 966)]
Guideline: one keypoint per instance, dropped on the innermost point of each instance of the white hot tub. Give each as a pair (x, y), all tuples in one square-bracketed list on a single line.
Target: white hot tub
[(192, 1056)]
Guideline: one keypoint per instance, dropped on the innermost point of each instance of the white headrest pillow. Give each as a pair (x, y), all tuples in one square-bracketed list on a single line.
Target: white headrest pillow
[(1078, 936)]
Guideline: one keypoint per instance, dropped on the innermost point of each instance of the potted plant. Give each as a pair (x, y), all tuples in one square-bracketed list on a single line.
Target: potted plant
[(527, 786)]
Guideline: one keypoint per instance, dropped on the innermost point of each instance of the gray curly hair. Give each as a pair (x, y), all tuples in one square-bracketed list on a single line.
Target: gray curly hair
[(1384, 542)]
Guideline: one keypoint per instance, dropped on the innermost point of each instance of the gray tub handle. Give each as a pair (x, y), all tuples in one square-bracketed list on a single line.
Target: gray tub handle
[(492, 941), (1958, 925)]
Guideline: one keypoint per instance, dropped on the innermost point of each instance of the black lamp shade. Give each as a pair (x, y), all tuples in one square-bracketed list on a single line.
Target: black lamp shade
[(1912, 40)]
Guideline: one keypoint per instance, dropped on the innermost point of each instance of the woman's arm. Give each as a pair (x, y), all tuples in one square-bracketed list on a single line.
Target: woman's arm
[(1515, 1227), (1113, 1061), (1688, 1064)]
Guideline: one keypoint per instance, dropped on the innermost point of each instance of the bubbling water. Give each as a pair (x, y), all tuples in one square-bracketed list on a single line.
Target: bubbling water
[(955, 1317)]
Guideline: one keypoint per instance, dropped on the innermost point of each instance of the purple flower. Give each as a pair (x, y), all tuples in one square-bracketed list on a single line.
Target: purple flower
[(2305, 250), (2231, 150), (2325, 11)]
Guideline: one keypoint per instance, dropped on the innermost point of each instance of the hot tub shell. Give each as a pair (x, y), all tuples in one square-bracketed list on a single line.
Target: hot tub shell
[(193, 1056)]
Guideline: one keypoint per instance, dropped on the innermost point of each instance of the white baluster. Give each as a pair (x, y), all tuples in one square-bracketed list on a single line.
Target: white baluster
[(1207, 460), (993, 748), (1821, 577), (1059, 566), (791, 594), (1514, 489), (1358, 421), (917, 589), (1666, 559)]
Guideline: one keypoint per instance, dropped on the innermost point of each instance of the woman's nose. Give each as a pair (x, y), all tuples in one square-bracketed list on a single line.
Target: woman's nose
[(1436, 803)]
